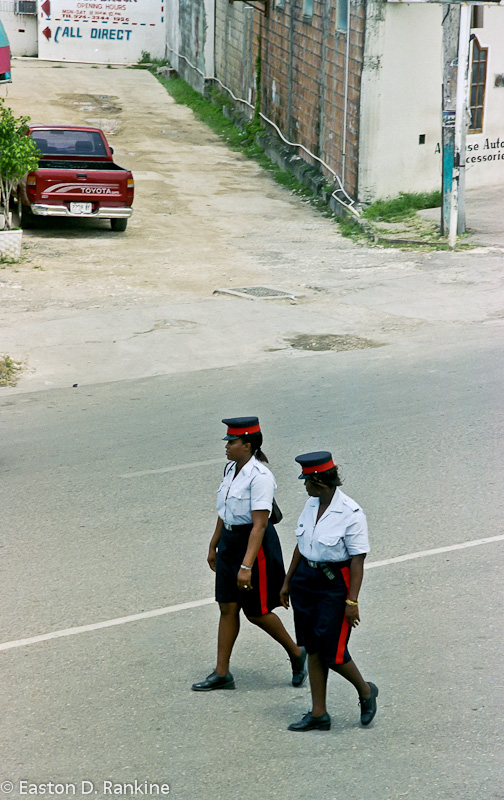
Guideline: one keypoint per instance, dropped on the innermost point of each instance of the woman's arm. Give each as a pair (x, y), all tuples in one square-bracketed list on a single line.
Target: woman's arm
[(259, 524), (214, 541), (285, 590), (356, 576)]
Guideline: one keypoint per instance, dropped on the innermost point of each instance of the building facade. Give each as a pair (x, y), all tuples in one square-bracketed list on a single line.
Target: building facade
[(357, 84)]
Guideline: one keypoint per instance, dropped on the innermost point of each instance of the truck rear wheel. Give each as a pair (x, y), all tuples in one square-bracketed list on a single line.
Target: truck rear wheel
[(118, 224), (27, 218)]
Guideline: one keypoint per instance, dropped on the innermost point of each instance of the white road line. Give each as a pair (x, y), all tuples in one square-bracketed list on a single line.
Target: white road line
[(176, 468), (159, 612), (424, 553), (109, 623)]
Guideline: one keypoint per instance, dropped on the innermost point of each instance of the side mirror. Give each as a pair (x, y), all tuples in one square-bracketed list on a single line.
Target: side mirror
[(112, 150)]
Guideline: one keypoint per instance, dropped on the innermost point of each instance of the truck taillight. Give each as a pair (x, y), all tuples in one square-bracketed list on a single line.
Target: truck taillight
[(31, 185), (131, 183)]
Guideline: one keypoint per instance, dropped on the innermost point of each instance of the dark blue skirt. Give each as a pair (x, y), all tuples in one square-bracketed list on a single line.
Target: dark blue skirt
[(319, 605), (268, 571)]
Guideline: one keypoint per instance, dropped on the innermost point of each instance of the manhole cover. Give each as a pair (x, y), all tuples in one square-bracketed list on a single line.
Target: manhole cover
[(330, 341), (258, 293)]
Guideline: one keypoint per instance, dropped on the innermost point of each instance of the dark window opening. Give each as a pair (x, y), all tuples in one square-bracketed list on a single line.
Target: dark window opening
[(477, 17)]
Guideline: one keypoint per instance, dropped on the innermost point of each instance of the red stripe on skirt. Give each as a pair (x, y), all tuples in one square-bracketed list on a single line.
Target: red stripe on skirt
[(340, 652), (263, 581)]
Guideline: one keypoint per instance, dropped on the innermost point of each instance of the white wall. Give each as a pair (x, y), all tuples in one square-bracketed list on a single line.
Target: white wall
[(172, 32), (401, 99), (102, 31), (190, 39), (21, 30)]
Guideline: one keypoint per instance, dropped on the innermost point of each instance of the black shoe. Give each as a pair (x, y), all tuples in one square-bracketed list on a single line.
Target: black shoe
[(214, 681), (309, 723), (299, 669), (368, 705)]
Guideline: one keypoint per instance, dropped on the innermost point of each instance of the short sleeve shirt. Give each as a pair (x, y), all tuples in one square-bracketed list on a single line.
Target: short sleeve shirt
[(251, 490), (340, 533)]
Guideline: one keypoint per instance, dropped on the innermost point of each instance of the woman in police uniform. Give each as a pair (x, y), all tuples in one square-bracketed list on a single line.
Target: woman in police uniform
[(245, 553), (323, 582)]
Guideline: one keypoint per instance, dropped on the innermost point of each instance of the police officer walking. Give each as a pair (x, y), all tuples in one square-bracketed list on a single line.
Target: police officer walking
[(245, 553), (323, 582)]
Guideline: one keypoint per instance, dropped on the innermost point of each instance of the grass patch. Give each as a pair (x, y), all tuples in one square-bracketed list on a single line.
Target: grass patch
[(402, 207), (5, 261), (9, 371), (147, 62)]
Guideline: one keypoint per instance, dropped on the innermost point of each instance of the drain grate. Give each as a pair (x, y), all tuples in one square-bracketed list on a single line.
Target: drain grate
[(258, 293), (330, 341)]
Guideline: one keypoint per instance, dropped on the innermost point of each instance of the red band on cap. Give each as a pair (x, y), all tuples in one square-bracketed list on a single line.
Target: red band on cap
[(241, 431), (318, 468)]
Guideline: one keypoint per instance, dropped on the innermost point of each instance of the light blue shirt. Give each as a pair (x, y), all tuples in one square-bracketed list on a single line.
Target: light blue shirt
[(251, 490), (340, 533)]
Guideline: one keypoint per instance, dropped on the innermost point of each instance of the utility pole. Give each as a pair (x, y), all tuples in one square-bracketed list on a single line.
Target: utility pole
[(456, 35), (457, 219), (451, 26)]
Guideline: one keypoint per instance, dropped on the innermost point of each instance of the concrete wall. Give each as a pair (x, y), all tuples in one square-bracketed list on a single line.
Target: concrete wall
[(237, 28), (20, 28), (305, 87), (191, 39), (401, 100)]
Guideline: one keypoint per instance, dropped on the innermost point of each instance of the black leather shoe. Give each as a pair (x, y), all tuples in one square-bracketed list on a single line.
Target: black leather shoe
[(214, 681), (299, 669), (368, 705), (309, 723)]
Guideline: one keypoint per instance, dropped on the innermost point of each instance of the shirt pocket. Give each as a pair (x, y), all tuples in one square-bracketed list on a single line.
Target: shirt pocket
[(330, 538), (238, 503), (300, 531), (331, 545)]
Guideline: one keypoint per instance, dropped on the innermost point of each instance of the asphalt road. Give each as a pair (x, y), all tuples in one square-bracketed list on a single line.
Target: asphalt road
[(107, 495)]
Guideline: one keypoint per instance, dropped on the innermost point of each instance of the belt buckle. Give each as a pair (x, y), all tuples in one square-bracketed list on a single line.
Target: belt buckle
[(313, 564)]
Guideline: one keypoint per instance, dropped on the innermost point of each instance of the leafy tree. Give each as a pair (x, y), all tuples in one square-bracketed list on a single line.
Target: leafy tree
[(18, 155)]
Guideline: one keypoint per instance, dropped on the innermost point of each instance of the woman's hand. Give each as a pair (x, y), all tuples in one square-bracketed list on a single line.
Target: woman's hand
[(285, 593), (212, 558), (352, 615), (244, 579)]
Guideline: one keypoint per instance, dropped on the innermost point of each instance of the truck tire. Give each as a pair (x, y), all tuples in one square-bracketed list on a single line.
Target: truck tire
[(118, 224), (27, 218)]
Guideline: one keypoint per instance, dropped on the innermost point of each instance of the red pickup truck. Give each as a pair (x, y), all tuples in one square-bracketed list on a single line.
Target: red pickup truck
[(76, 177)]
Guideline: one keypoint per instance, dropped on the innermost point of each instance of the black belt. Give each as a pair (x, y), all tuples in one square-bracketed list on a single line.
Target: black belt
[(329, 564), (237, 528)]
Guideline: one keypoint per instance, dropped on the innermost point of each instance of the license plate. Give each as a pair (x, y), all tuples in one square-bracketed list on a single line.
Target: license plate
[(81, 208)]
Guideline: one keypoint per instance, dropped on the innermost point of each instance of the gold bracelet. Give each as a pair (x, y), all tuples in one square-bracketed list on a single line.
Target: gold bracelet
[(352, 603)]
